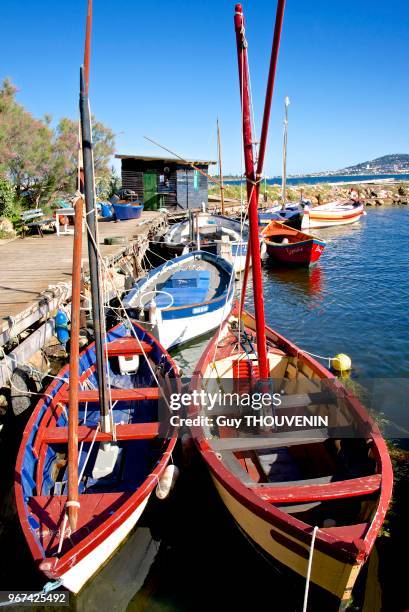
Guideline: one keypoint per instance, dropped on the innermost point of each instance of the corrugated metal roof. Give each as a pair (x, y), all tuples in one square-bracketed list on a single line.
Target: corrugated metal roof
[(174, 160)]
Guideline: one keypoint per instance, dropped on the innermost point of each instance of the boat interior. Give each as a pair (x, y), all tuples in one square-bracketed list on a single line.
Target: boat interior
[(111, 467), (191, 281), (280, 234), (210, 228), (328, 476)]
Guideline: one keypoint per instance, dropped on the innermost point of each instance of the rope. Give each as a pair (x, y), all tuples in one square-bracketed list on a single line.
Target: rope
[(47, 588), (329, 359), (307, 580)]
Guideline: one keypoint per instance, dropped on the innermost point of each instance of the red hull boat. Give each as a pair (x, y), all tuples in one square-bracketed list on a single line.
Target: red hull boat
[(290, 246)]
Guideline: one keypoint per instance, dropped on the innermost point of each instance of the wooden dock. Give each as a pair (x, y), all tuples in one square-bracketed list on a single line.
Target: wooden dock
[(35, 272)]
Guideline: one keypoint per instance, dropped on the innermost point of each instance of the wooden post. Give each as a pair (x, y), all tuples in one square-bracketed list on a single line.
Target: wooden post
[(72, 498), (219, 150)]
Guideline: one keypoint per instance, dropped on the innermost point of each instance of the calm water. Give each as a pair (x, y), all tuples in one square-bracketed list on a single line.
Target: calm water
[(354, 301), (313, 180)]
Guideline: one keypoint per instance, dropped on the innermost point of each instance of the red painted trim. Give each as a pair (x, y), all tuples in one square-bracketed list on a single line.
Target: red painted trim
[(91, 395), (127, 347), (131, 431)]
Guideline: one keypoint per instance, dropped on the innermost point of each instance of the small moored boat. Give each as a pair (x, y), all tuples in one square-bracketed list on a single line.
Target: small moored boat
[(110, 504), (184, 298), (212, 233), (331, 214), (290, 246)]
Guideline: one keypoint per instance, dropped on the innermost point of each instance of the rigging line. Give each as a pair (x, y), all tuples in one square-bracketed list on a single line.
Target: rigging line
[(130, 325), (208, 176)]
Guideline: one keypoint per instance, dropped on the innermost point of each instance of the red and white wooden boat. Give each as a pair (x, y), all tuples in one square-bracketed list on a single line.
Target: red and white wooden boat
[(278, 487), (290, 246), (331, 214), (311, 500)]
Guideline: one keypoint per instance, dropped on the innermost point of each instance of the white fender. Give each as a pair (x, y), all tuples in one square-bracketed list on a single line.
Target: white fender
[(167, 481)]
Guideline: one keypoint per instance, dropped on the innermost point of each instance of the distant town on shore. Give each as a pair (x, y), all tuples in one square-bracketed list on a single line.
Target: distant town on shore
[(395, 163)]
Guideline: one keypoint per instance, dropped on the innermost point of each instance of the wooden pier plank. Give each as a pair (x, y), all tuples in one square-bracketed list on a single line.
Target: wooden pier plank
[(30, 265)]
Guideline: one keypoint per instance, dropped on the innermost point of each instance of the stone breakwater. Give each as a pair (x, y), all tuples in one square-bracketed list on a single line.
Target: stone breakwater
[(371, 194)]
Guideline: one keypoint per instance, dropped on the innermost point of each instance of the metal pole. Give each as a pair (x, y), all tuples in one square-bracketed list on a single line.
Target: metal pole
[(284, 179), (252, 193), (97, 310), (219, 150)]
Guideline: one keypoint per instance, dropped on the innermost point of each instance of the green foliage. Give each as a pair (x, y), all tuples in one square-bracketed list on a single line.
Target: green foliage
[(7, 198), (42, 162), (108, 185)]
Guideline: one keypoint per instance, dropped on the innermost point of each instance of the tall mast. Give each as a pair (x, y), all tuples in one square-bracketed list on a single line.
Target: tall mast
[(87, 49), (252, 192), (266, 119), (97, 310), (72, 497), (219, 151), (284, 179)]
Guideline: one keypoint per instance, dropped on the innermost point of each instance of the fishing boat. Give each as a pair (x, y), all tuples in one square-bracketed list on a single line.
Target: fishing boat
[(127, 210), (279, 487), (184, 298), (290, 246), (109, 505), (96, 445), (291, 215), (311, 498), (331, 214), (212, 233)]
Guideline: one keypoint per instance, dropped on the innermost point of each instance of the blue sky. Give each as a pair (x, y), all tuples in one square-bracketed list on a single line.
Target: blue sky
[(168, 69)]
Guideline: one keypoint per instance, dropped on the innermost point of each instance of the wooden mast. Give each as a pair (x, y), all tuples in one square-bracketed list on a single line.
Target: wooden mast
[(266, 120), (72, 492), (87, 49), (219, 151), (92, 235), (72, 497), (252, 193)]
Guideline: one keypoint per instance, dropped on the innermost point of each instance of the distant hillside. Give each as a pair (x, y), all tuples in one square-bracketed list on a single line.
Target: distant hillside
[(396, 163)]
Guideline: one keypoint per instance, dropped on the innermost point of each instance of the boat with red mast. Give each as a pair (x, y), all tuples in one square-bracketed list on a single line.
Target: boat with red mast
[(311, 500)]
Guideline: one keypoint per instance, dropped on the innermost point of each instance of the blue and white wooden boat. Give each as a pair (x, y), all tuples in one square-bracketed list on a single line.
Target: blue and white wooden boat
[(110, 504), (212, 233), (184, 298), (291, 215)]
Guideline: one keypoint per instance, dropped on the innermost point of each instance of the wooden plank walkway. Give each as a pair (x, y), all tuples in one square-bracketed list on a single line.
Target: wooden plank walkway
[(29, 266)]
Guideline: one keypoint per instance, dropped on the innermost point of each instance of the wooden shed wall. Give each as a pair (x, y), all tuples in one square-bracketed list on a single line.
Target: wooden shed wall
[(180, 186)]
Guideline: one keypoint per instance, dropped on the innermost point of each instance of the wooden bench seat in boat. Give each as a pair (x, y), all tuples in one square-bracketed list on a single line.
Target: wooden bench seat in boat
[(126, 347), (131, 431), (290, 438), (117, 395), (316, 489)]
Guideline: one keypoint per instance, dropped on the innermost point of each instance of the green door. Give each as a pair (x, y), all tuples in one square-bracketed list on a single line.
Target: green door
[(150, 188)]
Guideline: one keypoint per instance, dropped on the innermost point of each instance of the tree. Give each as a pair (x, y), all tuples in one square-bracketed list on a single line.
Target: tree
[(39, 161), (7, 198)]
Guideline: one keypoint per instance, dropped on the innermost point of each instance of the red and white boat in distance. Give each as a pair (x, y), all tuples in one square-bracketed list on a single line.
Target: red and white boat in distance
[(291, 247), (331, 214)]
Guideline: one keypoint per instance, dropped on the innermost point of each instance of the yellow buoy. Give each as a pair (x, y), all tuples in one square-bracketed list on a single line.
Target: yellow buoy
[(341, 362)]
